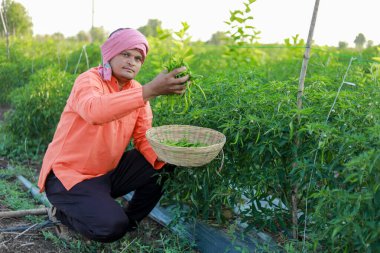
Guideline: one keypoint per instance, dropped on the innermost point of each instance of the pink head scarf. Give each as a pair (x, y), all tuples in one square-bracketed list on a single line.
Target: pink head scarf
[(123, 39)]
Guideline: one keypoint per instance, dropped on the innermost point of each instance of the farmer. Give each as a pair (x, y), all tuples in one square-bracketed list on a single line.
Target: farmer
[(86, 166)]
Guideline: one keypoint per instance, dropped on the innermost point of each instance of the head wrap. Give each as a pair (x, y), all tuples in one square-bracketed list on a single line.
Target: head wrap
[(123, 39)]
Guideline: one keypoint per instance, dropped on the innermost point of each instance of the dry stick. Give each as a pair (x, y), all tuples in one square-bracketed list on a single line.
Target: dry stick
[(22, 213), (26, 244), (4, 242), (26, 230), (20, 234), (299, 106)]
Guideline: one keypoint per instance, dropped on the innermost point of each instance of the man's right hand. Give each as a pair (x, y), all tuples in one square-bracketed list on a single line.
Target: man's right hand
[(165, 83)]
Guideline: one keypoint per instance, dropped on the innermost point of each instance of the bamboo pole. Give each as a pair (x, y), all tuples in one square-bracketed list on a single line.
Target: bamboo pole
[(301, 85), (22, 213), (306, 56)]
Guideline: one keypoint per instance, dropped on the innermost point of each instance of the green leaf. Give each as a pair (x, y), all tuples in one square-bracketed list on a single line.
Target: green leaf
[(336, 231)]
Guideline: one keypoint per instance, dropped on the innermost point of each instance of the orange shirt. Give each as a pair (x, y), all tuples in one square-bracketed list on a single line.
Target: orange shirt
[(95, 129)]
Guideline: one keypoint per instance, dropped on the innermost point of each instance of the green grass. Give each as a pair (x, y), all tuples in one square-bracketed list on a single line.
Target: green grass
[(145, 240), (14, 196)]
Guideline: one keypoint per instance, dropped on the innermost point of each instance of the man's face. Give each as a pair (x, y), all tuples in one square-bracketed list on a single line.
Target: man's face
[(126, 65)]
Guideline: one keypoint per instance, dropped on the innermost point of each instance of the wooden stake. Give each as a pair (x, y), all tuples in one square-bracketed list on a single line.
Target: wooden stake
[(299, 106), (22, 213), (306, 56)]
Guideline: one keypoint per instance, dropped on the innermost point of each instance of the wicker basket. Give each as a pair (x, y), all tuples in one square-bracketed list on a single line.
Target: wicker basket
[(186, 156)]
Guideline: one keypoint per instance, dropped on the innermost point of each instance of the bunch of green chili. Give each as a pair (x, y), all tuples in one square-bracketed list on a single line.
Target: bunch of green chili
[(183, 142), (194, 80)]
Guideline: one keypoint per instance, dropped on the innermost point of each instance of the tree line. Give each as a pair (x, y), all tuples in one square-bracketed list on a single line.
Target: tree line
[(16, 22)]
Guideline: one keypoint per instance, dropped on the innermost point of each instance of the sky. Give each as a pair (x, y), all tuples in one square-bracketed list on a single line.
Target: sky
[(337, 20)]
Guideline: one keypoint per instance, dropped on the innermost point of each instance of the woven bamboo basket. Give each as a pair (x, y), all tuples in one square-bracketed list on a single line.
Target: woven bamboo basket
[(186, 156)]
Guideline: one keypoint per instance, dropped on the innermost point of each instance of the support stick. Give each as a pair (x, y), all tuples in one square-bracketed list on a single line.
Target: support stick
[(22, 213)]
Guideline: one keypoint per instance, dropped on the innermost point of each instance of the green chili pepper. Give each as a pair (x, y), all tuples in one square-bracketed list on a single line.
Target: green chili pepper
[(183, 143)]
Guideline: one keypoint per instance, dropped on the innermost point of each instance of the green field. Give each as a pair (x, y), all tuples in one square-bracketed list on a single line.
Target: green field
[(320, 163)]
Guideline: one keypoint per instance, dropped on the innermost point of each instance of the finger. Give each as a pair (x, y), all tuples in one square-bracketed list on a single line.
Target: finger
[(183, 91), (182, 79), (180, 92), (179, 89), (178, 70)]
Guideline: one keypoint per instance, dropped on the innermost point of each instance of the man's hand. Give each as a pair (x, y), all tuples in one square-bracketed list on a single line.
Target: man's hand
[(165, 83)]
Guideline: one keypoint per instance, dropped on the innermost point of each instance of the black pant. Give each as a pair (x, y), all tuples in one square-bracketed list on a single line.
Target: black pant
[(90, 207)]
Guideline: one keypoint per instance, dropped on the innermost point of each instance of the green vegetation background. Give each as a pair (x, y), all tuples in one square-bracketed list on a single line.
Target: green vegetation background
[(331, 155)]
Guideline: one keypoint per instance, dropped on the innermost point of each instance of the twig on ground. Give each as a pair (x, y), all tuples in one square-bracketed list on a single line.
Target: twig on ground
[(26, 230), (27, 244)]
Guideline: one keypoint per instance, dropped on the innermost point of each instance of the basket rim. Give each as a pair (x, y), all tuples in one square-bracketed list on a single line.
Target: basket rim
[(167, 147), (183, 125)]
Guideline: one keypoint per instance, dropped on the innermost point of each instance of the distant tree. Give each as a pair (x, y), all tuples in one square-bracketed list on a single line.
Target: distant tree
[(18, 22), (150, 29), (343, 45), (83, 36), (369, 43), (219, 38), (58, 36), (359, 41), (98, 34)]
